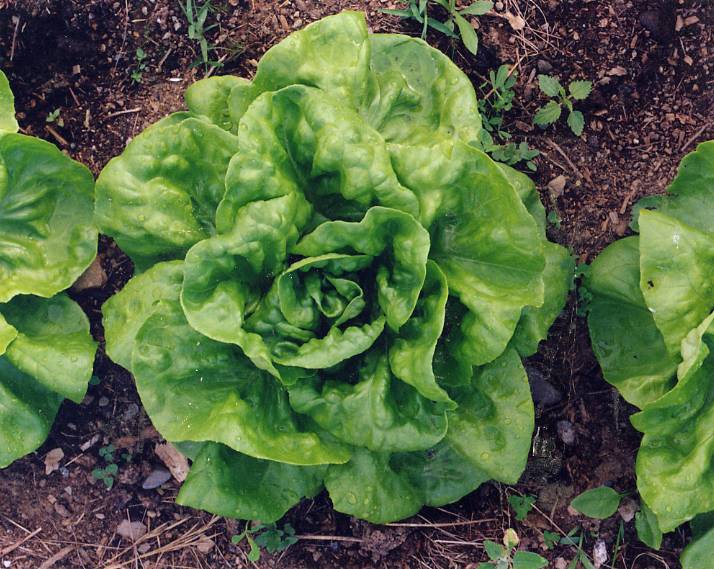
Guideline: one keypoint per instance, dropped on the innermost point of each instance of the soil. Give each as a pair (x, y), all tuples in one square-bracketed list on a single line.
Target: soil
[(652, 66)]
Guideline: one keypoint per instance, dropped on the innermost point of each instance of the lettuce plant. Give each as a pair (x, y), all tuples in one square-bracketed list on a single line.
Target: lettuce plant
[(334, 286), (651, 326), (47, 239)]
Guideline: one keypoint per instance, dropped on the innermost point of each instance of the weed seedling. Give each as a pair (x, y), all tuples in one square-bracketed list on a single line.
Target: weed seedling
[(522, 505), (138, 72), (419, 10), (506, 557), (55, 117), (196, 16), (110, 470), (268, 537), (495, 102), (550, 112)]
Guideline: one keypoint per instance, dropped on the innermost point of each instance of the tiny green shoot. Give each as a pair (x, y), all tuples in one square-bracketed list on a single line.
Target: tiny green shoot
[(55, 117), (268, 537)]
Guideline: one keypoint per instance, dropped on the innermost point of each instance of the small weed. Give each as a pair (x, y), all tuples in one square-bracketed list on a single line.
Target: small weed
[(138, 72), (554, 219), (597, 503), (550, 112), (419, 10), (581, 558), (551, 539), (522, 505), (268, 537), (506, 557), (108, 473), (94, 380), (55, 117), (196, 16), (496, 101)]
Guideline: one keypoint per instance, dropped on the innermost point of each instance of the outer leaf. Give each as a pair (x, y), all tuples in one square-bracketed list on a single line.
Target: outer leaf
[(648, 531), (580, 90), (698, 554), (550, 86), (576, 122), (45, 218), (27, 412), (677, 274), (215, 394), (673, 476), (547, 114), (625, 339), (125, 312), (441, 475), (598, 503), (331, 54), (53, 345), (7, 106), (160, 195), (493, 423), (418, 96), (558, 279), (468, 34), (227, 483), (368, 487)]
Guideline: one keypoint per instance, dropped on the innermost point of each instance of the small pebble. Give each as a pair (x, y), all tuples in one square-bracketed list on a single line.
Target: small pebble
[(566, 432), (157, 477)]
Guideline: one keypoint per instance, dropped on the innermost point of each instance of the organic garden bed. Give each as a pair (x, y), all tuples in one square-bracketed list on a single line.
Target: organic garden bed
[(652, 66)]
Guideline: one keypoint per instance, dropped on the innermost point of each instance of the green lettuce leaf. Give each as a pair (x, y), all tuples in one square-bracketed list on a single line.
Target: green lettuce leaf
[(235, 485), (46, 230), (7, 106)]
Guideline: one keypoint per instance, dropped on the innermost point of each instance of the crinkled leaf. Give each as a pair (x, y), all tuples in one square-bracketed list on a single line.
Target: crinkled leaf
[(378, 412), (483, 239), (7, 106), (7, 334), (228, 483), (196, 389), (625, 338), (534, 323), (210, 98), (160, 196), (397, 238), (699, 553), (47, 237)]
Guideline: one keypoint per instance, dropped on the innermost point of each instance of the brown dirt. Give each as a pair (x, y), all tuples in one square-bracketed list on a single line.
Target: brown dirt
[(652, 103)]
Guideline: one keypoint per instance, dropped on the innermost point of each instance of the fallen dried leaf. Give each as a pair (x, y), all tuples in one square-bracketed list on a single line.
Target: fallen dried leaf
[(174, 460), (516, 22), (52, 460), (131, 530), (617, 71)]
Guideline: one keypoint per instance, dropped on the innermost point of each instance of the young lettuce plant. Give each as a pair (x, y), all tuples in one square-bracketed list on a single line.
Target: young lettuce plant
[(47, 239), (650, 321), (334, 287)]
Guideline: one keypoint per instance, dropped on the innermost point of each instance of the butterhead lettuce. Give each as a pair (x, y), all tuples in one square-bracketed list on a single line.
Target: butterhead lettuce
[(651, 326), (47, 239), (334, 287)]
